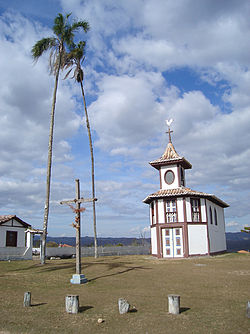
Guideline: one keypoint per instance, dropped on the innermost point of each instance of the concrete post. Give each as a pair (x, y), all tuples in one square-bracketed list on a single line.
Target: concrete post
[(72, 303), (248, 309), (174, 304), (27, 299)]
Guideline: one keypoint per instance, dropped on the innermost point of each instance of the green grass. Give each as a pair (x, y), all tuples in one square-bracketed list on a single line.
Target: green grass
[(214, 292)]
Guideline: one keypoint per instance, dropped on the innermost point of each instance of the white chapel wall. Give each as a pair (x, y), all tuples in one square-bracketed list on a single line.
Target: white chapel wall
[(163, 170), (197, 239), (217, 235), (180, 209), (203, 210), (188, 210), (153, 240), (161, 217)]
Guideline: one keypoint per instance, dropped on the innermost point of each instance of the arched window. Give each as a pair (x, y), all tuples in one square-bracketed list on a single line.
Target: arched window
[(215, 217), (211, 215)]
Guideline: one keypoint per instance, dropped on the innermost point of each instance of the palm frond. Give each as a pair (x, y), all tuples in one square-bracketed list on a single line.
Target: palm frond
[(67, 74), (80, 24), (59, 25), (43, 45)]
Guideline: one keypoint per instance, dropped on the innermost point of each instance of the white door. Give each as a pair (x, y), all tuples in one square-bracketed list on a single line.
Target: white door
[(172, 242)]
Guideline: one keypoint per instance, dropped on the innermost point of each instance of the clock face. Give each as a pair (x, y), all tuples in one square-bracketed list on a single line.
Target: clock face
[(169, 177)]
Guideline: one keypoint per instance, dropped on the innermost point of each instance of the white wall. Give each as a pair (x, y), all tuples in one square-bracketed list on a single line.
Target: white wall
[(217, 236), (161, 217), (188, 210), (163, 170), (203, 210), (20, 235), (153, 240), (197, 239), (180, 209)]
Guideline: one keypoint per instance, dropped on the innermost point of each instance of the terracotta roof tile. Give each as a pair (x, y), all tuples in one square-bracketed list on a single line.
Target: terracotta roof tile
[(5, 218), (170, 156), (183, 191)]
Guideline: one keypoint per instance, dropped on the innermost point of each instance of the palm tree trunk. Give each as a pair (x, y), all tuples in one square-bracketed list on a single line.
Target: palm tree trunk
[(51, 131), (92, 168)]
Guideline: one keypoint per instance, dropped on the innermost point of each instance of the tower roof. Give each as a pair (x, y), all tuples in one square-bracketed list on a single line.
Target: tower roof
[(169, 157)]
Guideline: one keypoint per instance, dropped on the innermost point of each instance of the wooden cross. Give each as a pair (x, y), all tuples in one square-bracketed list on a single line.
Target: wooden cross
[(169, 134), (77, 225)]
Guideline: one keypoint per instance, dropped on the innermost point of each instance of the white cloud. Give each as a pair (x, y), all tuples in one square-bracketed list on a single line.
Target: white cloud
[(129, 46), (232, 223)]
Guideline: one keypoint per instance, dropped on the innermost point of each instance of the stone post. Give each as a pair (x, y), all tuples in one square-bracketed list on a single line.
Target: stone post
[(72, 303), (123, 306), (174, 304), (248, 309), (27, 299)]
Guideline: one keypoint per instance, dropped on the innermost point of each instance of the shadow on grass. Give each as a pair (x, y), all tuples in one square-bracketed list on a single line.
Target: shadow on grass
[(184, 309), (84, 308), (133, 310), (119, 273), (38, 304)]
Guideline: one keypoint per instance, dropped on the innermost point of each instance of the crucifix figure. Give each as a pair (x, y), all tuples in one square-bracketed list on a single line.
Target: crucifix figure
[(78, 278)]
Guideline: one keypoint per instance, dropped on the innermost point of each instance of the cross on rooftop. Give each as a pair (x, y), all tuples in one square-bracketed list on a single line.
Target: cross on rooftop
[(169, 134), (169, 122)]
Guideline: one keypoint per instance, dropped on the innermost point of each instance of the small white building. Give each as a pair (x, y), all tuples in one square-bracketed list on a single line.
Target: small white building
[(16, 238), (183, 222)]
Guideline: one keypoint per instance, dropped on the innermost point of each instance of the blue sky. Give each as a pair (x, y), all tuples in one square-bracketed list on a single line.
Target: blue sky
[(146, 61)]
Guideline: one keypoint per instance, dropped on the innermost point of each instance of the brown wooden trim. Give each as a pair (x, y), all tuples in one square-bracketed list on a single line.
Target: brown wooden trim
[(170, 225), (185, 241), (208, 238), (164, 206), (152, 212), (158, 241), (185, 229), (156, 209), (198, 223), (161, 243), (178, 175)]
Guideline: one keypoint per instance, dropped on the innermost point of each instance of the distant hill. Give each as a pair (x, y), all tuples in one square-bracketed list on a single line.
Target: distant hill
[(235, 241), (238, 241), (89, 241)]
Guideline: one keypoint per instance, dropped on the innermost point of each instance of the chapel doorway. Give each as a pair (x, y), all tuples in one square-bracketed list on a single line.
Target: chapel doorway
[(172, 242)]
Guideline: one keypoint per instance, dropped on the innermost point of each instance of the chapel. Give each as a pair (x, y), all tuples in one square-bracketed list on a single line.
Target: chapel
[(183, 222)]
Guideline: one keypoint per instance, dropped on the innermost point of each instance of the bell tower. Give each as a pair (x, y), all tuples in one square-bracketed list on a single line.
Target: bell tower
[(171, 166)]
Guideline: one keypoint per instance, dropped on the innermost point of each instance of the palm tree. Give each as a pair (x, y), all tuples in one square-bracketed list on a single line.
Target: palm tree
[(63, 37), (74, 59)]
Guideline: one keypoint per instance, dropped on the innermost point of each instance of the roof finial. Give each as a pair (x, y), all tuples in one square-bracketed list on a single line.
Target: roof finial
[(169, 122)]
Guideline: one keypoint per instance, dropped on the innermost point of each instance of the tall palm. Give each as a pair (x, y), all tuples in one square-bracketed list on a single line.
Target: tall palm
[(62, 38), (74, 60)]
